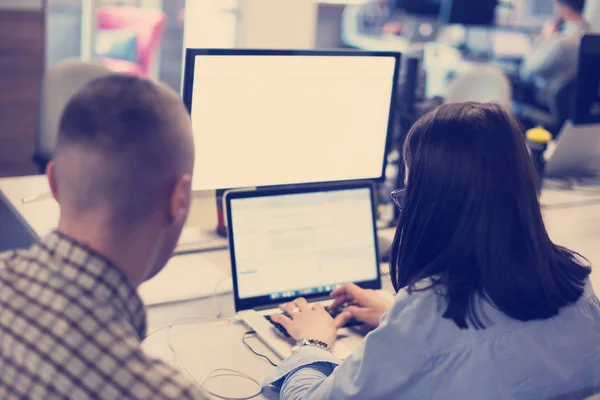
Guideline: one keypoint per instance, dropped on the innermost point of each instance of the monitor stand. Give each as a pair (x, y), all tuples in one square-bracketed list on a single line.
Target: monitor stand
[(221, 229)]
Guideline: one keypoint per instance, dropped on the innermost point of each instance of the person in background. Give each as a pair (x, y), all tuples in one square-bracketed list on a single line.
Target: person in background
[(553, 60), (71, 320), (487, 306), (374, 18)]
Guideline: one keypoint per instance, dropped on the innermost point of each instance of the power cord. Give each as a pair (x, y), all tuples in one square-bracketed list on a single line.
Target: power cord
[(226, 372), (217, 373), (216, 295), (253, 333)]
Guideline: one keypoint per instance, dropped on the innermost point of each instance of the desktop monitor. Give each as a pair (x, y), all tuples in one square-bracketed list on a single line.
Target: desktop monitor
[(469, 12), (423, 8), (281, 117)]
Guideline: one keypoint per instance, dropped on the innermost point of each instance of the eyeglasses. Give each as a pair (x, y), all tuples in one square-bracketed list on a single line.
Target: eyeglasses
[(399, 198)]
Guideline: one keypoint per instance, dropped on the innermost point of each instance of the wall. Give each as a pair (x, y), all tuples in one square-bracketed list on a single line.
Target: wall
[(274, 24), (21, 70)]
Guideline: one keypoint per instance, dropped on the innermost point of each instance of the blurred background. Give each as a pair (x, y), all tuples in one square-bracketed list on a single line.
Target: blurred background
[(148, 38)]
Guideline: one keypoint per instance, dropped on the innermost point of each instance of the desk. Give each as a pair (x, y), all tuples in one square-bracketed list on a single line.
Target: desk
[(572, 218), (22, 223), (203, 346)]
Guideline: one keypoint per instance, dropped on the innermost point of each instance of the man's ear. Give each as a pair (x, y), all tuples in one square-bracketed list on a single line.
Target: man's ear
[(181, 199), (51, 175)]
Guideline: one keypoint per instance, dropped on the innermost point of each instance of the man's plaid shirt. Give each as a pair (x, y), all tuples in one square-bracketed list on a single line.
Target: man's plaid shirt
[(70, 327)]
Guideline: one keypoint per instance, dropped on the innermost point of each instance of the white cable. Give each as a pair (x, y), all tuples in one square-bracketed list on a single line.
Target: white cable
[(216, 295), (211, 375), (232, 373), (217, 373)]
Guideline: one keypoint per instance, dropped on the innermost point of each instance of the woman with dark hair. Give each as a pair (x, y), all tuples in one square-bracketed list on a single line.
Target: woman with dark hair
[(486, 306)]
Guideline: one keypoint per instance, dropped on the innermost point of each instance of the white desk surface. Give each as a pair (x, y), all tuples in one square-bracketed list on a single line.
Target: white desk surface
[(42, 215), (572, 218)]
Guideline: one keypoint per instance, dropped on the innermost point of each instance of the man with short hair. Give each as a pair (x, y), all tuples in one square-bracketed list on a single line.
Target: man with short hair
[(553, 61), (71, 320)]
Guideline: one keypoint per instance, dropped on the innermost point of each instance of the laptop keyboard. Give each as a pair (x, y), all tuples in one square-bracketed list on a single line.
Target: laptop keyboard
[(333, 312)]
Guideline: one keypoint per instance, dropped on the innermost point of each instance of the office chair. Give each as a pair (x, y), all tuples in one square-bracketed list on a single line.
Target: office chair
[(60, 83), (553, 114), (487, 83), (577, 152)]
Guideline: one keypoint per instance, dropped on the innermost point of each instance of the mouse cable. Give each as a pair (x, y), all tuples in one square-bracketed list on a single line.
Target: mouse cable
[(216, 295), (245, 342), (216, 373)]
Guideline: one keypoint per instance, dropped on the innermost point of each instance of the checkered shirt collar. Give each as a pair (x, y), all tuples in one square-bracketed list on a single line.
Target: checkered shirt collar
[(95, 275)]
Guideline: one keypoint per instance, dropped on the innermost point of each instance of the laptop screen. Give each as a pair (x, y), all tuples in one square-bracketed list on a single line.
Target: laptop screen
[(286, 245)]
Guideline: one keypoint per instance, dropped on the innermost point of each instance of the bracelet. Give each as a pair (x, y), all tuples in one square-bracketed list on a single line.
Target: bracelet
[(311, 342)]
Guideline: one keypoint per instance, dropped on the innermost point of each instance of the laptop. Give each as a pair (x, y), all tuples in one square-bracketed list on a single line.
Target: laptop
[(577, 153), (300, 242)]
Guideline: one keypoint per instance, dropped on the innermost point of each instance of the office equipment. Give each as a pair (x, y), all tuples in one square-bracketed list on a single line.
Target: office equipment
[(469, 12), (266, 118), (577, 153), (287, 243), (206, 345)]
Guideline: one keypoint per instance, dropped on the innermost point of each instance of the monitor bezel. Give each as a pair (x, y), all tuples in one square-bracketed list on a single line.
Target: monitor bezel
[(450, 16), (188, 88), (265, 301), (400, 5)]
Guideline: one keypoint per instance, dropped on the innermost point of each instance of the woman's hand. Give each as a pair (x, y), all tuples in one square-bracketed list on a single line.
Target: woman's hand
[(366, 306), (306, 322)]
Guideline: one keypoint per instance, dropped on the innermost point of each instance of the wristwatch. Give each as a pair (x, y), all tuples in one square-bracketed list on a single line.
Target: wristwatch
[(311, 342)]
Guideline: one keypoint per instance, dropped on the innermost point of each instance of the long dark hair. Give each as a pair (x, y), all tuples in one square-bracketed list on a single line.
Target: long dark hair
[(472, 221)]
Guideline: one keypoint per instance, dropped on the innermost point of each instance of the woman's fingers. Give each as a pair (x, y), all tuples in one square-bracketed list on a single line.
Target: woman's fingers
[(302, 304)]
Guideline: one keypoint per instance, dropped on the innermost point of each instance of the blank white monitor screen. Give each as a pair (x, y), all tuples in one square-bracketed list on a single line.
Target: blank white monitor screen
[(298, 244), (273, 119)]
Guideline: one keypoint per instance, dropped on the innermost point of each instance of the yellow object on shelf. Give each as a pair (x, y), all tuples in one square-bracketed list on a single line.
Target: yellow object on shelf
[(539, 135)]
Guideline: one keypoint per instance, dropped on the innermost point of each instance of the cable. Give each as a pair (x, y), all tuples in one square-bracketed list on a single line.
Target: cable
[(215, 373), (253, 333), (184, 320), (232, 373), (216, 295)]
